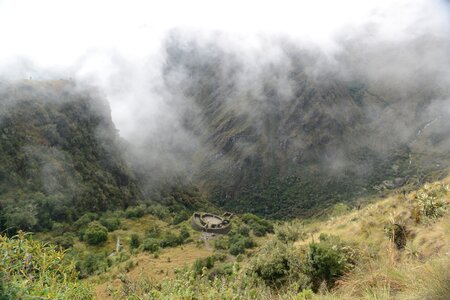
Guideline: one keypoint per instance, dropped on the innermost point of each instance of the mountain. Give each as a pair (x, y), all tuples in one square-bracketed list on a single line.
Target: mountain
[(286, 136), (60, 155)]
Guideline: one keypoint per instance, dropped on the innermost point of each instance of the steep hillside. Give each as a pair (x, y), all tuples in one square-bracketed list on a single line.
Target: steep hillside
[(59, 155), (287, 136), (395, 248)]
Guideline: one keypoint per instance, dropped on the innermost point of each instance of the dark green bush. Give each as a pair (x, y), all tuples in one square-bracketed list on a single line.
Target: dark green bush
[(181, 217), (221, 270), (95, 234), (151, 245), (201, 263), (259, 226), (135, 241), (244, 230), (278, 263), (84, 220), (221, 243), (158, 211), (328, 260), (92, 264), (169, 239), (111, 223), (237, 248), (66, 240), (184, 234), (135, 212), (244, 241)]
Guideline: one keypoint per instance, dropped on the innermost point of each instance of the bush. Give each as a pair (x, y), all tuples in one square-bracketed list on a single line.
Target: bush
[(95, 234), (289, 233), (111, 223), (236, 249), (221, 271), (85, 220), (184, 234), (92, 264), (244, 230), (259, 226), (135, 241), (431, 201), (222, 243), (135, 212), (151, 245), (66, 240), (154, 231), (202, 263), (397, 233), (328, 260), (180, 217), (32, 270), (238, 243), (278, 263), (159, 211), (170, 240)]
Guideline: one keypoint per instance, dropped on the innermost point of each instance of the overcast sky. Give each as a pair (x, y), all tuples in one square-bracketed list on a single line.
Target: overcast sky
[(83, 38)]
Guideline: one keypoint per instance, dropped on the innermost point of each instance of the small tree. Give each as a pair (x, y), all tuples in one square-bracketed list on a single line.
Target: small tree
[(95, 234), (135, 241)]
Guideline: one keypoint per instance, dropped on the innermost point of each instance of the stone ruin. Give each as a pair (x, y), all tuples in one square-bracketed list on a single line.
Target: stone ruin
[(210, 223)]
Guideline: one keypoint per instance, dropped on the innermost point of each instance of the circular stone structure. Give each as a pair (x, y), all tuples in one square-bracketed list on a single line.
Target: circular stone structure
[(211, 223)]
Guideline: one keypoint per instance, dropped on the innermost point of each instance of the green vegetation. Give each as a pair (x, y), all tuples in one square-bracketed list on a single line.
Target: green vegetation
[(95, 234), (32, 270)]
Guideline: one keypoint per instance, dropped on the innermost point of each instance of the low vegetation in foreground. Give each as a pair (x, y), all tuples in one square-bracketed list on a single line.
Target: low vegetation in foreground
[(395, 248)]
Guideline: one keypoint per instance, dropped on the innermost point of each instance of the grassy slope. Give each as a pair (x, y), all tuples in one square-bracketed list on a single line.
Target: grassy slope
[(386, 273), (383, 272), (156, 268)]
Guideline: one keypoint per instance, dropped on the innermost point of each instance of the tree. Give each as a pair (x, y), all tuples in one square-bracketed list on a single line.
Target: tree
[(95, 234)]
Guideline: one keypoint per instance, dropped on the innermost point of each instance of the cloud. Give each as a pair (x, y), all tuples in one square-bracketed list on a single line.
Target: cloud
[(122, 47)]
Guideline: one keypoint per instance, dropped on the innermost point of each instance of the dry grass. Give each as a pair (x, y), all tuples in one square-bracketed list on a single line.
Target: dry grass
[(152, 268), (420, 271)]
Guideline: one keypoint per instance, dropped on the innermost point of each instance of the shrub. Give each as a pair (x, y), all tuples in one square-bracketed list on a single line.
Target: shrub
[(431, 200), (259, 226), (237, 248), (170, 240), (53, 274), (154, 231), (221, 243), (151, 245), (238, 243), (397, 233), (289, 232), (328, 260), (66, 240), (159, 211), (278, 263), (135, 212), (92, 264), (95, 234), (202, 263), (111, 223), (85, 220), (135, 241), (184, 234), (180, 217), (244, 230), (221, 270)]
